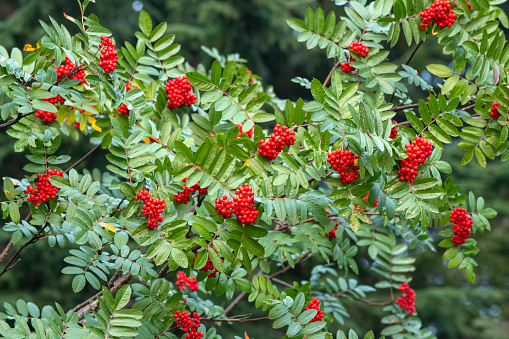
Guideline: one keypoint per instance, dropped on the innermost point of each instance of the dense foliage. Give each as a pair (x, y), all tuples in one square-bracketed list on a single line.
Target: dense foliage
[(205, 198)]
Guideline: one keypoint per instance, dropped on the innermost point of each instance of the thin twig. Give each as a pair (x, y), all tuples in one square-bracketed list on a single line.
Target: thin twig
[(92, 306), (234, 319), (83, 158), (15, 120), (336, 65), (408, 61)]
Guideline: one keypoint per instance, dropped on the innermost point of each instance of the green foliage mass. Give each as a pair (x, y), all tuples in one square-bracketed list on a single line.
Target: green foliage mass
[(97, 221)]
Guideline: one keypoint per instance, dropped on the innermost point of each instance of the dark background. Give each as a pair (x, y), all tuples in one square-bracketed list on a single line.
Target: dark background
[(447, 303)]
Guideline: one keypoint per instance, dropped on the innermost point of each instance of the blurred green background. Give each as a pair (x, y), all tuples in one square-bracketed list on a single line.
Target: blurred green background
[(256, 29)]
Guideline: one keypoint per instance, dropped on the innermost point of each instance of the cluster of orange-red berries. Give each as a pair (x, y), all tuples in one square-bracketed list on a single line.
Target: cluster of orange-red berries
[(375, 204), (346, 67), (65, 69), (407, 299), (179, 92), (344, 161), (417, 153), (122, 109), (189, 324), (152, 209), (282, 137), (44, 190), (109, 55), (184, 282), (332, 234), (242, 205), (394, 131), (46, 116), (185, 196), (440, 12), (315, 305), (209, 267), (461, 225), (249, 132), (359, 48)]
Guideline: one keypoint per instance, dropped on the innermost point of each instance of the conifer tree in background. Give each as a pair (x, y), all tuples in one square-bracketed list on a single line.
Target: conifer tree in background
[(203, 209)]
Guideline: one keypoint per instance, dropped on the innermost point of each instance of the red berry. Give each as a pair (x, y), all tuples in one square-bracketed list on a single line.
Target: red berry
[(461, 225), (394, 131), (179, 92), (315, 305), (44, 190), (152, 209), (407, 299), (108, 55), (417, 152), (242, 205), (185, 196), (188, 323), (46, 116), (344, 161), (282, 137), (440, 12), (359, 48)]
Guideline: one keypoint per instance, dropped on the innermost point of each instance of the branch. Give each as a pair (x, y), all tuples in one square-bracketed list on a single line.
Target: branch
[(241, 320), (408, 61), (5, 251), (83, 158), (15, 120), (93, 305), (336, 65), (7, 266)]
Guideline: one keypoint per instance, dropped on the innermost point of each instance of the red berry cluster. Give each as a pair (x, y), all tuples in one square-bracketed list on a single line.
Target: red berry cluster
[(248, 133), (189, 324), (55, 100), (461, 225), (183, 281), (185, 196), (407, 299), (394, 131), (44, 190), (242, 205), (46, 116), (152, 209), (282, 137), (344, 161), (494, 113), (315, 305), (332, 234), (209, 266), (347, 68), (375, 204), (359, 47), (122, 109), (440, 12), (109, 55), (417, 153), (179, 92), (63, 70), (224, 206)]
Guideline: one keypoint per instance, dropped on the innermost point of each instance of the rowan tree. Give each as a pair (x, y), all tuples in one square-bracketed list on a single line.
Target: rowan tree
[(217, 187)]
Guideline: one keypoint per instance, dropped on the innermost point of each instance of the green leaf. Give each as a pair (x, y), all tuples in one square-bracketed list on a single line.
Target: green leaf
[(145, 23), (123, 296), (439, 70)]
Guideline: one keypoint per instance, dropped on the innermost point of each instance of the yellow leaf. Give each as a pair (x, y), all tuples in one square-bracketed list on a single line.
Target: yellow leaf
[(108, 226), (147, 140), (356, 162), (94, 125), (29, 48)]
